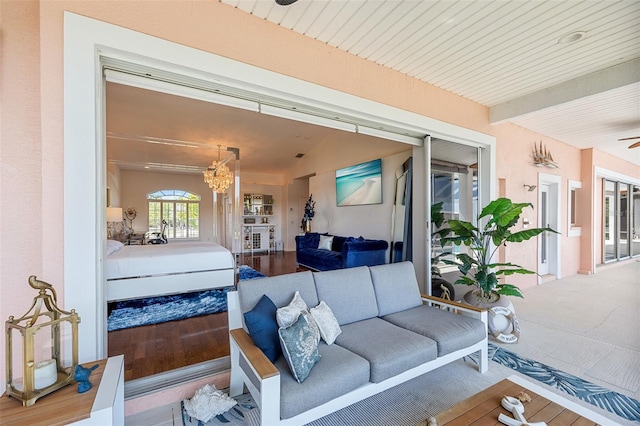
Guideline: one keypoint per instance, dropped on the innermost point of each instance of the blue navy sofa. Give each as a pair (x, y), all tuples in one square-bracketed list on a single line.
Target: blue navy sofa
[(346, 252)]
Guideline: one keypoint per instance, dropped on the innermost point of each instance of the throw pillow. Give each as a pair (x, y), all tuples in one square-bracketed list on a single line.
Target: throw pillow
[(287, 315), (299, 348), (326, 321), (325, 242), (263, 328)]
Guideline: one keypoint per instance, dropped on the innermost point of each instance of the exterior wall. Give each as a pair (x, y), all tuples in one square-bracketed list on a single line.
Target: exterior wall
[(31, 128), (515, 169)]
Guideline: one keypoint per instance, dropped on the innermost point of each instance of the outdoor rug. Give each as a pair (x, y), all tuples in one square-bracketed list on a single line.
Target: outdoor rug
[(412, 402), (155, 310)]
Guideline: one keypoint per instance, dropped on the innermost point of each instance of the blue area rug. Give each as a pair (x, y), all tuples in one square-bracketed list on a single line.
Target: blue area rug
[(593, 394), (155, 310)]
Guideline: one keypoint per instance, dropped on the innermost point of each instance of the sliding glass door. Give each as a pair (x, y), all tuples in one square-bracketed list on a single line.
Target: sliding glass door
[(620, 221), (634, 235)]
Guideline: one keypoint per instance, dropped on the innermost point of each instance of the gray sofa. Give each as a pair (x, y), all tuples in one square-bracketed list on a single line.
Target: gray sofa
[(390, 333)]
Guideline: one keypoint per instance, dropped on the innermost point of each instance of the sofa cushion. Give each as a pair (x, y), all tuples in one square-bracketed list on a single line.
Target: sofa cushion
[(396, 287), (349, 293), (280, 289), (338, 372), (450, 331), (326, 242), (263, 329), (389, 349), (300, 348), (326, 322)]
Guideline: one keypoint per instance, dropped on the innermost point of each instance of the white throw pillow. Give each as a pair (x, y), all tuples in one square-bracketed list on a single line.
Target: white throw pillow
[(288, 315), (325, 242), (327, 322)]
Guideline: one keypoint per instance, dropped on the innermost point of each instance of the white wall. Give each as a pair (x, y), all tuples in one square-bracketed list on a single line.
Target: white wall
[(135, 185), (370, 221)]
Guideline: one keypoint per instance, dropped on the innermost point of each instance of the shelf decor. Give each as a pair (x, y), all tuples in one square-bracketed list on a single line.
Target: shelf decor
[(34, 344)]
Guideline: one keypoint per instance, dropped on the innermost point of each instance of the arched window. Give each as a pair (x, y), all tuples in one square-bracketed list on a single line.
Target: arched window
[(181, 210)]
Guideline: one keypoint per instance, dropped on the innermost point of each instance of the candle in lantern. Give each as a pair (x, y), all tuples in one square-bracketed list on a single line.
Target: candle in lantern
[(45, 373)]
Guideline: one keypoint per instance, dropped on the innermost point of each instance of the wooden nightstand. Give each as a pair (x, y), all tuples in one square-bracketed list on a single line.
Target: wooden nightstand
[(101, 405), (134, 239)]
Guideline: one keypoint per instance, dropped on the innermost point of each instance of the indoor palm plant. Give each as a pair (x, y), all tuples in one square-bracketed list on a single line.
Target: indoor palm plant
[(478, 267)]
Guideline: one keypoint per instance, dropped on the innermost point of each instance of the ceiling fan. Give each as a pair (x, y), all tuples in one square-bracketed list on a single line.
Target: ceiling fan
[(633, 145)]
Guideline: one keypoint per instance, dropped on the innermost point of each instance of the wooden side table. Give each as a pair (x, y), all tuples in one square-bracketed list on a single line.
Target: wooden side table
[(101, 405)]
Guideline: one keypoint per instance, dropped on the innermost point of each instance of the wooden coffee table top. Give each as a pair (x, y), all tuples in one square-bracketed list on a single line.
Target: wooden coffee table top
[(484, 407)]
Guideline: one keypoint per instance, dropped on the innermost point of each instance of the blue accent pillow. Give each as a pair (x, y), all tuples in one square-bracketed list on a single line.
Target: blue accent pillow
[(300, 348), (263, 328)]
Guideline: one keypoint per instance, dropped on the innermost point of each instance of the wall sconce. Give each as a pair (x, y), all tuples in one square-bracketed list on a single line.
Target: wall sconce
[(41, 353), (114, 215), (530, 188)]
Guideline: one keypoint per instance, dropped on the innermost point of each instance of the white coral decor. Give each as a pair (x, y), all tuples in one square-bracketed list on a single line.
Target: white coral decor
[(208, 403)]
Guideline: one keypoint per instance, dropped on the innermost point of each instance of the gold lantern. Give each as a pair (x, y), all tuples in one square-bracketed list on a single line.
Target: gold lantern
[(41, 352)]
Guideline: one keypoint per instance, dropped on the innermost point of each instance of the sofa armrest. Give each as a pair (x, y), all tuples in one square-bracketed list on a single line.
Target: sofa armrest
[(461, 308), (254, 356)]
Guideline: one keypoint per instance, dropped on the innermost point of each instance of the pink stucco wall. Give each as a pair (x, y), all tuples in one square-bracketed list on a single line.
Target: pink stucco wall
[(31, 128)]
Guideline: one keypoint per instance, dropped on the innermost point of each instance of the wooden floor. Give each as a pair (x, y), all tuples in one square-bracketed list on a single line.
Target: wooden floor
[(153, 349)]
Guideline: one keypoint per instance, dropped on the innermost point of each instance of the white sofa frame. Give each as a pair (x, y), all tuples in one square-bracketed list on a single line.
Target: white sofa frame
[(251, 368)]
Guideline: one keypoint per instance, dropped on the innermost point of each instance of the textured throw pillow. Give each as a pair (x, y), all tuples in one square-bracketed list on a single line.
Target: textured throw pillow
[(287, 315), (325, 242), (263, 328), (326, 321), (300, 348)]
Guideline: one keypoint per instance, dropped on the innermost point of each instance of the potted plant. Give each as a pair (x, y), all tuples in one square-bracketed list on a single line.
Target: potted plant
[(478, 268)]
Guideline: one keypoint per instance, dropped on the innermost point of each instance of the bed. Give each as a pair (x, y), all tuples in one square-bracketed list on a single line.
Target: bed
[(139, 271)]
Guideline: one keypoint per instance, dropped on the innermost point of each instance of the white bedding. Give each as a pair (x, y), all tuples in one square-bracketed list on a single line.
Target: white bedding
[(163, 259)]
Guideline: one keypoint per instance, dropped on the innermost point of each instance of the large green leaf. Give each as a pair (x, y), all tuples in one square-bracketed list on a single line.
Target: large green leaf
[(508, 290), (437, 217)]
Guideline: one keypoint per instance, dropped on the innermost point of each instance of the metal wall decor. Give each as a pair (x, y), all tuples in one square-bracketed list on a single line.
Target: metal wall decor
[(542, 157)]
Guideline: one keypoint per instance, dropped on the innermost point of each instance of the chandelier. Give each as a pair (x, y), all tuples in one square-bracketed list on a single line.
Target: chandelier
[(218, 176)]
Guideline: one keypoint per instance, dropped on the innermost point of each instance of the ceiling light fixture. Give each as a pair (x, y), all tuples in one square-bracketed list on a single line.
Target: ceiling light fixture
[(218, 176), (572, 37)]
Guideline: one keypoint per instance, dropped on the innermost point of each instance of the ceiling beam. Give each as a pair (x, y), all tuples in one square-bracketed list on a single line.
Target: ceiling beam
[(591, 84)]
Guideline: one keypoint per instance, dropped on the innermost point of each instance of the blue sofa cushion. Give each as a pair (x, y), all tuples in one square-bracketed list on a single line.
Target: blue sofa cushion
[(263, 328)]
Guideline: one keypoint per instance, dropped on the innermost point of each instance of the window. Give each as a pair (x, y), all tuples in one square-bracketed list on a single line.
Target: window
[(572, 210), (181, 211)]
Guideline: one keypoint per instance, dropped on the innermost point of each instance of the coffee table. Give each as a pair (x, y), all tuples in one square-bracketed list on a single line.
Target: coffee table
[(484, 407)]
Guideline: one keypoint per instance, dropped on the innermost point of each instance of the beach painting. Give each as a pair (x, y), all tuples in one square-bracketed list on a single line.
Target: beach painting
[(359, 184)]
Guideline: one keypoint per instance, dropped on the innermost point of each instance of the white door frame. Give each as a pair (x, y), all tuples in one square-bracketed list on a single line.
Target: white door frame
[(554, 208), (87, 42)]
